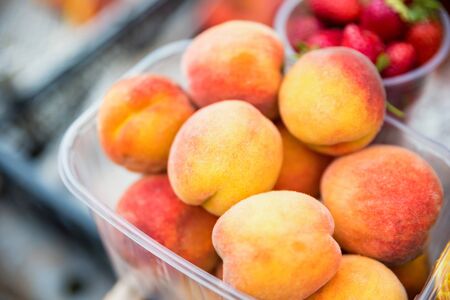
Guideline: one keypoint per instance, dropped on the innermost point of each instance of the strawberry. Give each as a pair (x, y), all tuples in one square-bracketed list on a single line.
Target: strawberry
[(402, 58), (426, 37), (325, 38), (300, 28), (365, 41), (336, 11), (383, 20)]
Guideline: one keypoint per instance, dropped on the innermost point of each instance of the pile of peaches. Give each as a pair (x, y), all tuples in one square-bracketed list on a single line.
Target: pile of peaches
[(249, 151)]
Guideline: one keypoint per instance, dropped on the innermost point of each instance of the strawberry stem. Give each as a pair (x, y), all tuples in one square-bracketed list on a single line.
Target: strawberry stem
[(394, 110)]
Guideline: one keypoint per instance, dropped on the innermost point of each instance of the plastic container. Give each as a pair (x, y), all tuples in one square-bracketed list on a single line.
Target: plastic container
[(98, 183), (401, 90)]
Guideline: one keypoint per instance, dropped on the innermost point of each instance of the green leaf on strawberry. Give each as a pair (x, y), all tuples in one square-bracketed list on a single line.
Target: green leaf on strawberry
[(382, 62), (419, 10)]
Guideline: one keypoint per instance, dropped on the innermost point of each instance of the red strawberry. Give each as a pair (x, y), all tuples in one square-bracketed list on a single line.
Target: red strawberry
[(426, 37), (365, 41), (402, 58), (325, 38), (381, 19), (336, 11), (300, 28)]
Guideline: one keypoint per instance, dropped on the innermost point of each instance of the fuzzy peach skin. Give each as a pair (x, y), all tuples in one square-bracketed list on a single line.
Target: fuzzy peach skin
[(235, 60), (384, 200), (302, 168), (277, 245), (413, 275), (138, 120), (224, 153), (151, 205), (333, 100), (360, 277)]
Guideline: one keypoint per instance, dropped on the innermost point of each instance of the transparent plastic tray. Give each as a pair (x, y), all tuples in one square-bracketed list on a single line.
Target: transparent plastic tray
[(99, 183)]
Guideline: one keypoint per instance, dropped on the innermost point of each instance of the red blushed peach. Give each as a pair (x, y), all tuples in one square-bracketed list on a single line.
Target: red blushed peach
[(224, 153), (219, 11), (302, 168), (333, 100), (151, 205), (277, 245), (384, 200), (235, 60), (138, 120)]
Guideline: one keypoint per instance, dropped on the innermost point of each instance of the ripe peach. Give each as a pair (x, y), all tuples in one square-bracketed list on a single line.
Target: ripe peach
[(384, 200), (235, 60), (413, 275), (277, 245), (151, 205), (333, 100), (218, 11), (79, 12), (302, 168), (138, 120), (360, 277), (224, 153)]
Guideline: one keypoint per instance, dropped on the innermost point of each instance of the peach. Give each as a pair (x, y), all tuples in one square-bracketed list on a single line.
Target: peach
[(151, 205), (224, 153), (384, 200), (277, 245), (360, 277), (333, 100), (302, 168), (413, 275), (138, 120), (219, 11), (79, 12), (235, 60)]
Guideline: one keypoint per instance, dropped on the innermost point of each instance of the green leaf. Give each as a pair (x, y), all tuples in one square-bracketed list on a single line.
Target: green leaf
[(400, 7), (383, 62), (419, 10)]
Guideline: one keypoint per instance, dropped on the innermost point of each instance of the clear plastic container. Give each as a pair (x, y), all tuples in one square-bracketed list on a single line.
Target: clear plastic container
[(401, 90), (98, 183)]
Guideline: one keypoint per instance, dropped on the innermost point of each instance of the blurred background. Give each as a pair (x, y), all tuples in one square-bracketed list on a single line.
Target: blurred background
[(56, 58)]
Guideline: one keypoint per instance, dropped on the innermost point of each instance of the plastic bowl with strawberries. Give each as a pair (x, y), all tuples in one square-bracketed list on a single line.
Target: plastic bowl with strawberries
[(404, 51)]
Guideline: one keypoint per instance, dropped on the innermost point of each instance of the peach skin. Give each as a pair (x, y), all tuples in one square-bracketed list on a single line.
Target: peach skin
[(235, 60), (302, 168), (333, 100), (384, 201), (413, 275), (138, 120), (277, 245), (360, 277), (151, 205), (79, 12), (224, 153)]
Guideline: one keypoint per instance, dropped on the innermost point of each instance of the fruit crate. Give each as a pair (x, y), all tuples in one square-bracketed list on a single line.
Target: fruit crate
[(31, 127), (38, 47), (99, 183)]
